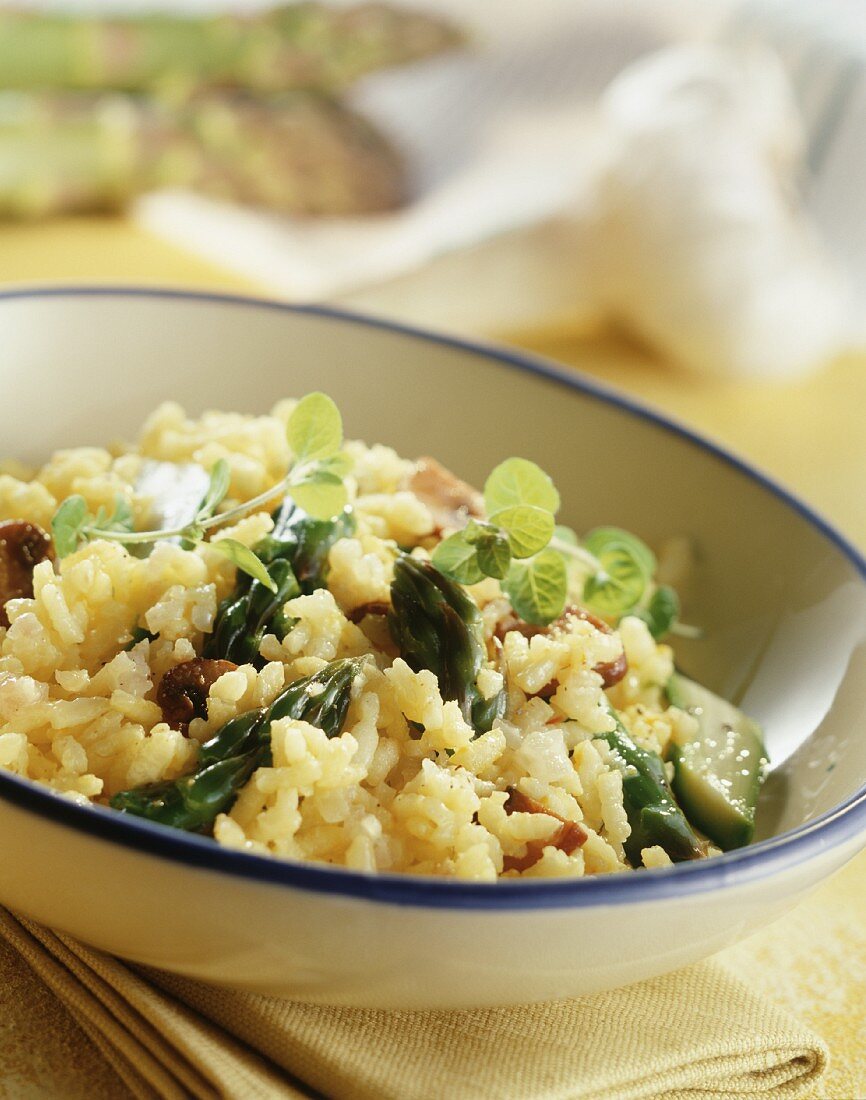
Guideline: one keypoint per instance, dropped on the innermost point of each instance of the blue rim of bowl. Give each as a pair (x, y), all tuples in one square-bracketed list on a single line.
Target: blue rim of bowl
[(838, 828)]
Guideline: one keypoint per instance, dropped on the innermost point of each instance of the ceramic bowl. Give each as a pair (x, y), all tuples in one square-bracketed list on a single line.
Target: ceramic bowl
[(781, 597)]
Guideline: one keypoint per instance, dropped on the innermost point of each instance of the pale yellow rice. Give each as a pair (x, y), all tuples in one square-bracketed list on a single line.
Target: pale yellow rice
[(77, 710)]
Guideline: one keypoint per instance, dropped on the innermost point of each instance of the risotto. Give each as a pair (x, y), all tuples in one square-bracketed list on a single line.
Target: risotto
[(318, 650)]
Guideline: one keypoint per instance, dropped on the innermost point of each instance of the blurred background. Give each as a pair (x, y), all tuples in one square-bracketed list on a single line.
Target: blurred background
[(666, 193), (324, 151)]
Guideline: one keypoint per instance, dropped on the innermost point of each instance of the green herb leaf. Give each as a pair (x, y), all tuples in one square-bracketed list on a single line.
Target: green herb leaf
[(122, 518), (320, 493), (529, 528), (661, 612), (245, 560), (67, 525), (602, 538), (537, 587), (100, 520), (517, 481), (191, 536), (494, 554), (566, 535), (315, 428), (220, 479), (474, 530), (339, 464), (457, 558), (620, 584)]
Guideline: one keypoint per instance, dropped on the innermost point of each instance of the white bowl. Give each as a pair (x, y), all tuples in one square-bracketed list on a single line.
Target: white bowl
[(781, 596)]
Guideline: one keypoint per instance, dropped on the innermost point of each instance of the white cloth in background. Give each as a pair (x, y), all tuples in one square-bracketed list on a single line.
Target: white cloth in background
[(699, 242), (498, 137), (822, 45), (509, 134)]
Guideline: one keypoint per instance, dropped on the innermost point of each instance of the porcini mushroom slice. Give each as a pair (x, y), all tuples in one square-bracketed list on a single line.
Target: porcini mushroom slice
[(611, 672), (183, 691), (568, 837), (23, 546), (451, 501)]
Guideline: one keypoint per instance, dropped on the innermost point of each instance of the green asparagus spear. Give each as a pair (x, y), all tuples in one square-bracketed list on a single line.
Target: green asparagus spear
[(437, 626), (227, 761), (653, 813), (308, 45), (305, 541), (245, 616), (299, 154), (295, 555)]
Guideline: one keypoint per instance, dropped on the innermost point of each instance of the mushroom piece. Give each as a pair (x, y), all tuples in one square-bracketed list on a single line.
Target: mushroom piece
[(372, 607), (611, 672), (451, 501), (23, 546), (568, 837), (183, 690)]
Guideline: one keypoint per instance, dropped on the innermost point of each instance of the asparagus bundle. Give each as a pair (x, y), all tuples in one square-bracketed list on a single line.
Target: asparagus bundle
[(307, 45), (300, 153)]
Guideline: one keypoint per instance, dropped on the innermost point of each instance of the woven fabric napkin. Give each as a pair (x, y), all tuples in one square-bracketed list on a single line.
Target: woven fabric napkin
[(696, 1033)]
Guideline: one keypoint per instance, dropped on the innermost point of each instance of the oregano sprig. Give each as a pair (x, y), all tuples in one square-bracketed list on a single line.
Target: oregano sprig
[(521, 545), (315, 481), (511, 545), (72, 522), (624, 572)]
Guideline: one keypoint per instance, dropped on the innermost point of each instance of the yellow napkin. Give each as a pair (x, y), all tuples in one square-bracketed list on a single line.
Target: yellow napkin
[(698, 1032)]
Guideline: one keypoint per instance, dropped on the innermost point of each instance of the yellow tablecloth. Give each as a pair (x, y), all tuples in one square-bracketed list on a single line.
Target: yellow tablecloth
[(809, 434)]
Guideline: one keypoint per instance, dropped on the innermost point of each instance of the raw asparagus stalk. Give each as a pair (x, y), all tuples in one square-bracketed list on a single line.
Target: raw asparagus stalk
[(653, 813), (295, 555), (302, 153), (437, 626), (307, 45), (228, 760)]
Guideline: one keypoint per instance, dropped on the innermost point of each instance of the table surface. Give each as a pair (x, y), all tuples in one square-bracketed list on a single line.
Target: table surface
[(808, 434)]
